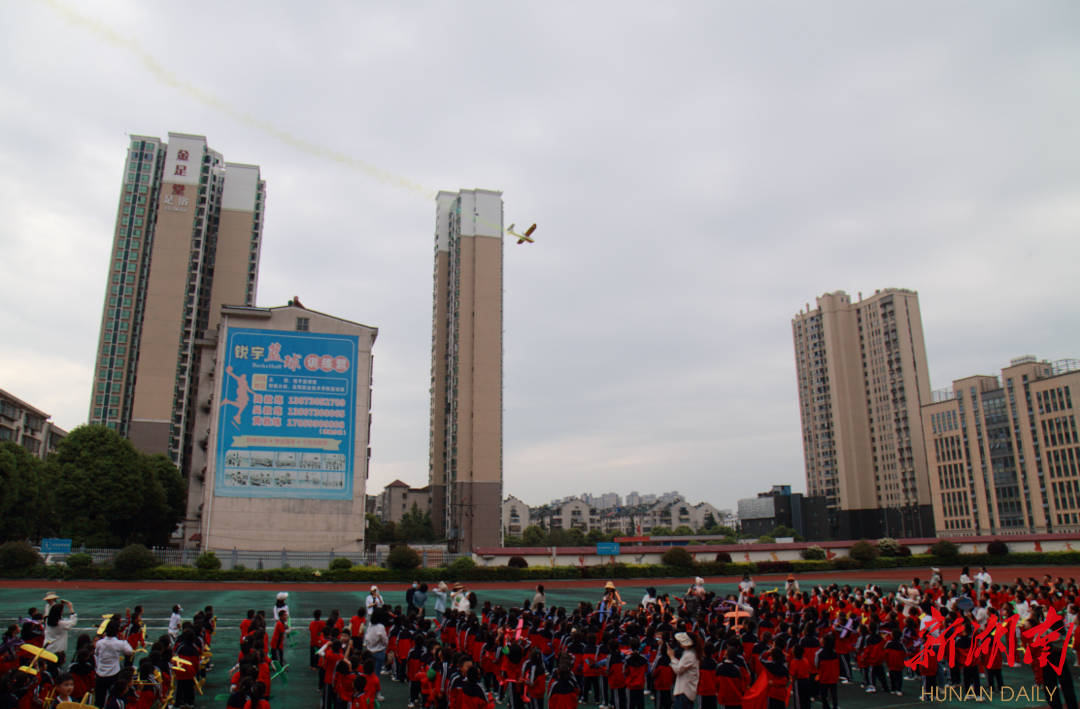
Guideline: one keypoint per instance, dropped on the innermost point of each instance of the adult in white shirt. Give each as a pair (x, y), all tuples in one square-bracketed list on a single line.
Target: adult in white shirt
[(461, 599), (376, 640), (746, 585), (687, 670), (965, 578), (107, 654), (649, 597), (374, 600), (983, 577), (56, 629)]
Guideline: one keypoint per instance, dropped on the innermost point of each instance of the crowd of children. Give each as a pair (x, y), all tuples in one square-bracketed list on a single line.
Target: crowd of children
[(747, 649), (116, 666)]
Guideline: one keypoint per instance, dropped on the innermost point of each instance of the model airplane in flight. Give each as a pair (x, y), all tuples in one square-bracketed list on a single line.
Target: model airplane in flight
[(522, 238)]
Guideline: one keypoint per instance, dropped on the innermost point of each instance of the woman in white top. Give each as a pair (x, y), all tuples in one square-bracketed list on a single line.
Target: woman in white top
[(281, 605), (649, 597), (687, 670), (376, 640), (746, 585), (965, 578), (461, 599), (56, 629)]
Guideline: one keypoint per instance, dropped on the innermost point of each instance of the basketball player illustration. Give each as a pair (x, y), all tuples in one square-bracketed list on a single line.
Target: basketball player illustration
[(242, 395)]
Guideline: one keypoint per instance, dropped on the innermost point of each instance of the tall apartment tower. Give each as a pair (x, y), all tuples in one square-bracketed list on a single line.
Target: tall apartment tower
[(863, 379), (187, 241), (465, 461)]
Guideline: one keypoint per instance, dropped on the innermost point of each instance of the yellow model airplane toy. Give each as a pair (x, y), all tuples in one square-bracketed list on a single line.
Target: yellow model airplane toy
[(522, 238)]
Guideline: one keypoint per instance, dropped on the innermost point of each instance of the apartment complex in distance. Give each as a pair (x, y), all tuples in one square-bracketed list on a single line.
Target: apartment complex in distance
[(465, 459), (29, 427), (187, 240), (1005, 452), (863, 378)]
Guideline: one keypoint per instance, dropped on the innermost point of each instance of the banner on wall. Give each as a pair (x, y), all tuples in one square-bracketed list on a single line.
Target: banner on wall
[(287, 415)]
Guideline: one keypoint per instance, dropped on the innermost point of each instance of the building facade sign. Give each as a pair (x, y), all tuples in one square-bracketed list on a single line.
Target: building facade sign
[(287, 416)]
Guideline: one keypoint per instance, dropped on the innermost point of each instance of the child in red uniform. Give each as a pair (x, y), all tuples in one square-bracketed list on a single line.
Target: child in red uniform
[(828, 671), (895, 654), (315, 629), (534, 678), (663, 677), (360, 697), (875, 659), (65, 687), (258, 697), (635, 668), (373, 683), (563, 690), (706, 688), (277, 642), (730, 681)]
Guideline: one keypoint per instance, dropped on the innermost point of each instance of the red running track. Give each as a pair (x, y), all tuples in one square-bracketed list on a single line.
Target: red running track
[(1002, 574)]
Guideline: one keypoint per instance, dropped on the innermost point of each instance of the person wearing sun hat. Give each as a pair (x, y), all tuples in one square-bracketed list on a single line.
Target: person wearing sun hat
[(461, 599), (50, 600), (373, 601), (791, 584), (687, 669), (611, 601)]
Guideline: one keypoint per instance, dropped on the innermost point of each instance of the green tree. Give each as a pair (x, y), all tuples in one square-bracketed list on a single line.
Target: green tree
[(511, 541), (109, 494), (575, 537), (388, 533), (660, 532), (372, 529), (166, 498), (595, 536), (782, 531), (415, 526), (533, 536), (682, 531), (709, 522), (24, 494)]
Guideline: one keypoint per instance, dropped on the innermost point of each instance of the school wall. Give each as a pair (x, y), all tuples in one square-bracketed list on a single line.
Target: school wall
[(577, 556)]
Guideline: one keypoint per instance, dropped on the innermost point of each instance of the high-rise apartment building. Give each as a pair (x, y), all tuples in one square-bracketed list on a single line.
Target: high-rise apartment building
[(187, 240), (1005, 458), (863, 378), (465, 462)]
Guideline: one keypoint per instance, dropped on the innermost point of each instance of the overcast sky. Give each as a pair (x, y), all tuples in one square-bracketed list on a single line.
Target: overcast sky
[(698, 171)]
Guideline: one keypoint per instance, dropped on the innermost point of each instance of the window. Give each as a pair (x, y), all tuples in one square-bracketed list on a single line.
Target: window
[(302, 324)]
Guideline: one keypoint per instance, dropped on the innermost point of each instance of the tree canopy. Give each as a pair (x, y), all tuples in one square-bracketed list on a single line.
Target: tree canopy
[(106, 493), (24, 493)]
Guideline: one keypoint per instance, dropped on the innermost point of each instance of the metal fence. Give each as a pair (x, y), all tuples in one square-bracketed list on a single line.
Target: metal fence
[(231, 559)]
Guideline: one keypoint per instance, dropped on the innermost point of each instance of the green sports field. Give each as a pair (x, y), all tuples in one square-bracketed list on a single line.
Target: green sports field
[(300, 691)]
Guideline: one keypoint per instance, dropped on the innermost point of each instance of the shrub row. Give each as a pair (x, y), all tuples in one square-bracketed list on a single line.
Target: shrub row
[(206, 569)]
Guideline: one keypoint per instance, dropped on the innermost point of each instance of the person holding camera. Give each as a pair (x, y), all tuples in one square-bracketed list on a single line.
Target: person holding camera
[(56, 629)]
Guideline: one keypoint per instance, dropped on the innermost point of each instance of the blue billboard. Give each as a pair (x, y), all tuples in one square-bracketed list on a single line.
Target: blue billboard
[(286, 421)]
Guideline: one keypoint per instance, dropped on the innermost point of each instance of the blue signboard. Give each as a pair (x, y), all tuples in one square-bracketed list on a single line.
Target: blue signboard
[(286, 422), (608, 549), (55, 546)]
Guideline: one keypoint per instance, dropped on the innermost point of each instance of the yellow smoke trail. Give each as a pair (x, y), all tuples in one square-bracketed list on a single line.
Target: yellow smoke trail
[(167, 78)]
